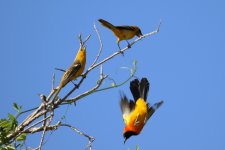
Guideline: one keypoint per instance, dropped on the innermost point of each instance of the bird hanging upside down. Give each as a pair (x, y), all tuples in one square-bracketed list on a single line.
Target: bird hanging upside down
[(136, 113)]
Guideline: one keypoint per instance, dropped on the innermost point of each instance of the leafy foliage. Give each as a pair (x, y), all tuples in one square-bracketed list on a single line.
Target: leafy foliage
[(7, 127)]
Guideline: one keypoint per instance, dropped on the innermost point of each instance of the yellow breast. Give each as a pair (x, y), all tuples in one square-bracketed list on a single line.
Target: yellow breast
[(136, 120)]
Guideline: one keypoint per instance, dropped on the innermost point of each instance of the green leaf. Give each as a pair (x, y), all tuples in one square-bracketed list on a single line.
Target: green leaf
[(11, 117), (8, 147), (4, 131), (15, 106), (113, 84), (22, 137), (4, 123), (12, 121)]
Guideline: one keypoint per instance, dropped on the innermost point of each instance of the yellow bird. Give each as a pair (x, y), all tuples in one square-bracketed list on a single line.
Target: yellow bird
[(74, 71), (122, 32), (136, 113)]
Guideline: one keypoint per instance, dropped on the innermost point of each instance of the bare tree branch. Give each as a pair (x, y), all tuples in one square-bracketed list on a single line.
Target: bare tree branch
[(59, 124), (43, 133), (41, 128), (101, 45), (48, 105), (99, 82), (53, 81), (37, 123), (87, 38), (90, 138)]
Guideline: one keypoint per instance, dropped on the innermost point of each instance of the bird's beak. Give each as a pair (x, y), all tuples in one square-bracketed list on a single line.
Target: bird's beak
[(139, 34), (125, 139)]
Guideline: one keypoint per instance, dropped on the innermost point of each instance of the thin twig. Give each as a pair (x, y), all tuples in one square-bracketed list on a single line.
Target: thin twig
[(26, 122), (99, 82), (41, 128), (87, 38), (82, 43), (26, 111), (118, 85), (111, 79), (90, 138), (101, 45), (24, 131), (36, 123), (101, 72), (44, 127), (53, 81), (42, 138), (51, 94)]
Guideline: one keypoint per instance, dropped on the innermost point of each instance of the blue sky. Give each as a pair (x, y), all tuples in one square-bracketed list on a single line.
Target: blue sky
[(184, 63)]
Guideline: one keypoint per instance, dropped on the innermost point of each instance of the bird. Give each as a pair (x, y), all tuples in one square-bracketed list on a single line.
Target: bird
[(74, 71), (122, 32), (137, 112)]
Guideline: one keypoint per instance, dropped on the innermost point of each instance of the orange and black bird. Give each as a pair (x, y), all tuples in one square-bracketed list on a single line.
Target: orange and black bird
[(137, 112), (74, 71), (122, 32)]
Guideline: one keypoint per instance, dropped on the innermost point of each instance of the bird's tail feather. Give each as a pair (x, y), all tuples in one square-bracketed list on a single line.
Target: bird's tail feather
[(106, 24), (139, 89), (144, 88)]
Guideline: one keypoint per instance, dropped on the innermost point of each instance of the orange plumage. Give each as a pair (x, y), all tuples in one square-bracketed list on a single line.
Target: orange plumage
[(136, 113)]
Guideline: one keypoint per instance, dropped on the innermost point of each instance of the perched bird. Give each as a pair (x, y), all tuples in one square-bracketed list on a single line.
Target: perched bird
[(74, 71), (136, 113), (122, 32)]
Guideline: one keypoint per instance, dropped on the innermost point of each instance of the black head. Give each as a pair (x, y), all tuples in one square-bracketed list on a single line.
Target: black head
[(128, 134), (139, 33)]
